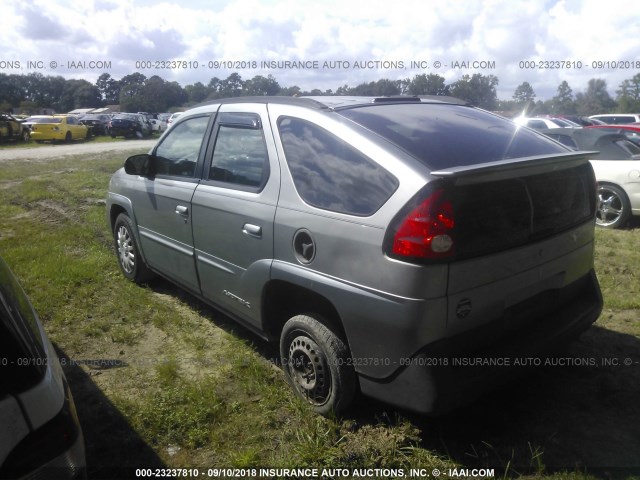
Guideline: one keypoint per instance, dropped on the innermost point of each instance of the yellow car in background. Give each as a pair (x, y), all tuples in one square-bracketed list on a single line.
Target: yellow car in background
[(57, 127)]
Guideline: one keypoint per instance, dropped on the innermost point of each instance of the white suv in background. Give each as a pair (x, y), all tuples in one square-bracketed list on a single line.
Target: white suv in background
[(618, 118)]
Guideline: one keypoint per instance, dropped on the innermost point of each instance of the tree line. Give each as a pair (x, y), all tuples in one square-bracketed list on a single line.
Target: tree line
[(136, 92)]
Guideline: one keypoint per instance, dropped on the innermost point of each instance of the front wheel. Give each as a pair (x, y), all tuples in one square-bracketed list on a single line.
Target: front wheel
[(129, 259), (316, 364), (26, 136), (614, 208)]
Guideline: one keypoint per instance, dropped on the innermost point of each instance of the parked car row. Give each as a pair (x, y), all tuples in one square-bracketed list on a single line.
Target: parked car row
[(68, 127)]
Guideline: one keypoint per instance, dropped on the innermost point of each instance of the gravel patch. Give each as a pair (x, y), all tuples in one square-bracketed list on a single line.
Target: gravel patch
[(56, 151)]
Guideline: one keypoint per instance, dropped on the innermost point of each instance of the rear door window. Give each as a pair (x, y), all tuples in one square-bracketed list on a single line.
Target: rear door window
[(240, 159)]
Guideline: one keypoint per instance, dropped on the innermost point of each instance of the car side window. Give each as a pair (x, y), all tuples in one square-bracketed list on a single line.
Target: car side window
[(240, 156), (330, 174), (178, 153)]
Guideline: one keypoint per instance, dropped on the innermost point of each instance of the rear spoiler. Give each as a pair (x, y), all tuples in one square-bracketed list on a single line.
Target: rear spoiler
[(510, 168)]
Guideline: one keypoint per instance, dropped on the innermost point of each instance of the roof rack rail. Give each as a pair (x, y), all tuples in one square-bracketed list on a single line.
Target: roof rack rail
[(396, 98)]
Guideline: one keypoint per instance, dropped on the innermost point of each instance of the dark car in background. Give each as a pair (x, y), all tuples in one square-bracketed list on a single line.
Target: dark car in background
[(40, 435), (129, 125), (98, 123)]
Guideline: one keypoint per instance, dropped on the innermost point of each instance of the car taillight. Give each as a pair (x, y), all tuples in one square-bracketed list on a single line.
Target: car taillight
[(424, 230)]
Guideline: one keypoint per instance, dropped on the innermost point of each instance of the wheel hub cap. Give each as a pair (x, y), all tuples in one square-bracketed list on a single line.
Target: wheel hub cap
[(309, 371), (125, 250), (609, 209)]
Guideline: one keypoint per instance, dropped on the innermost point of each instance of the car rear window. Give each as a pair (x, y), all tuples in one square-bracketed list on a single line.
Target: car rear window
[(46, 120), (330, 174), (444, 135), (526, 209)]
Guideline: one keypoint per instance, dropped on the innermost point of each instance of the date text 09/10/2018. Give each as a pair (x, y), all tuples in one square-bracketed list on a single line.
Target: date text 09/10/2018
[(324, 473), (312, 64)]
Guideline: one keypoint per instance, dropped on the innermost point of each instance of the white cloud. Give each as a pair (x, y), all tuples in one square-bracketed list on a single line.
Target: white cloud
[(506, 32)]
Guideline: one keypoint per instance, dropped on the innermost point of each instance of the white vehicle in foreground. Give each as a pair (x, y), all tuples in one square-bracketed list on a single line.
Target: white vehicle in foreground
[(40, 435)]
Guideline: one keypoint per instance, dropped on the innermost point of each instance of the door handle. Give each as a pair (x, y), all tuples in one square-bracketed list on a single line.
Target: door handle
[(252, 230), (182, 210)]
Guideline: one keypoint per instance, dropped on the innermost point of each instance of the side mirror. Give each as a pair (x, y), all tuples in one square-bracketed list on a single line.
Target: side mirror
[(143, 165)]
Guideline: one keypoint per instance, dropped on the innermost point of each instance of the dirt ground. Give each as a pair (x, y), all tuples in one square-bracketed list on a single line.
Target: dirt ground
[(62, 150)]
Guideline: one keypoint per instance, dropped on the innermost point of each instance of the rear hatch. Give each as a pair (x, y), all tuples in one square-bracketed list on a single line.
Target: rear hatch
[(122, 123), (510, 211), (523, 240)]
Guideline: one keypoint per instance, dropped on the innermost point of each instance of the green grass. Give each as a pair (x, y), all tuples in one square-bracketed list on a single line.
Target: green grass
[(617, 261), (200, 391)]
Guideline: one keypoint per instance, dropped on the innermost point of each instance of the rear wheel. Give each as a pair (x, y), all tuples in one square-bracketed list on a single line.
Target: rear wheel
[(614, 208), (68, 137), (316, 364), (129, 259)]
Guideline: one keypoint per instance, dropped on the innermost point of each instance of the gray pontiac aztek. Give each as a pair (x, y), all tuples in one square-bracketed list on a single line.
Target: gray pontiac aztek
[(394, 246)]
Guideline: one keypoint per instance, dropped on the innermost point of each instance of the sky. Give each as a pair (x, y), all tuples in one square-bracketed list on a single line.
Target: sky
[(327, 44)]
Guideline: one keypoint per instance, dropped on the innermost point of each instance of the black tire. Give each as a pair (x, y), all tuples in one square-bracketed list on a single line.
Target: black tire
[(316, 364), (614, 208), (129, 259), (68, 137), (26, 135)]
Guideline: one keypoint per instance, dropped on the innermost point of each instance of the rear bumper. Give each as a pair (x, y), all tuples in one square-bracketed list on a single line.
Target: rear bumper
[(457, 370), (118, 131), (47, 136)]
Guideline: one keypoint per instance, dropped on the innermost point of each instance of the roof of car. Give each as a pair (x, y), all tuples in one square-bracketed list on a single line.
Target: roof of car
[(338, 102), (607, 115)]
